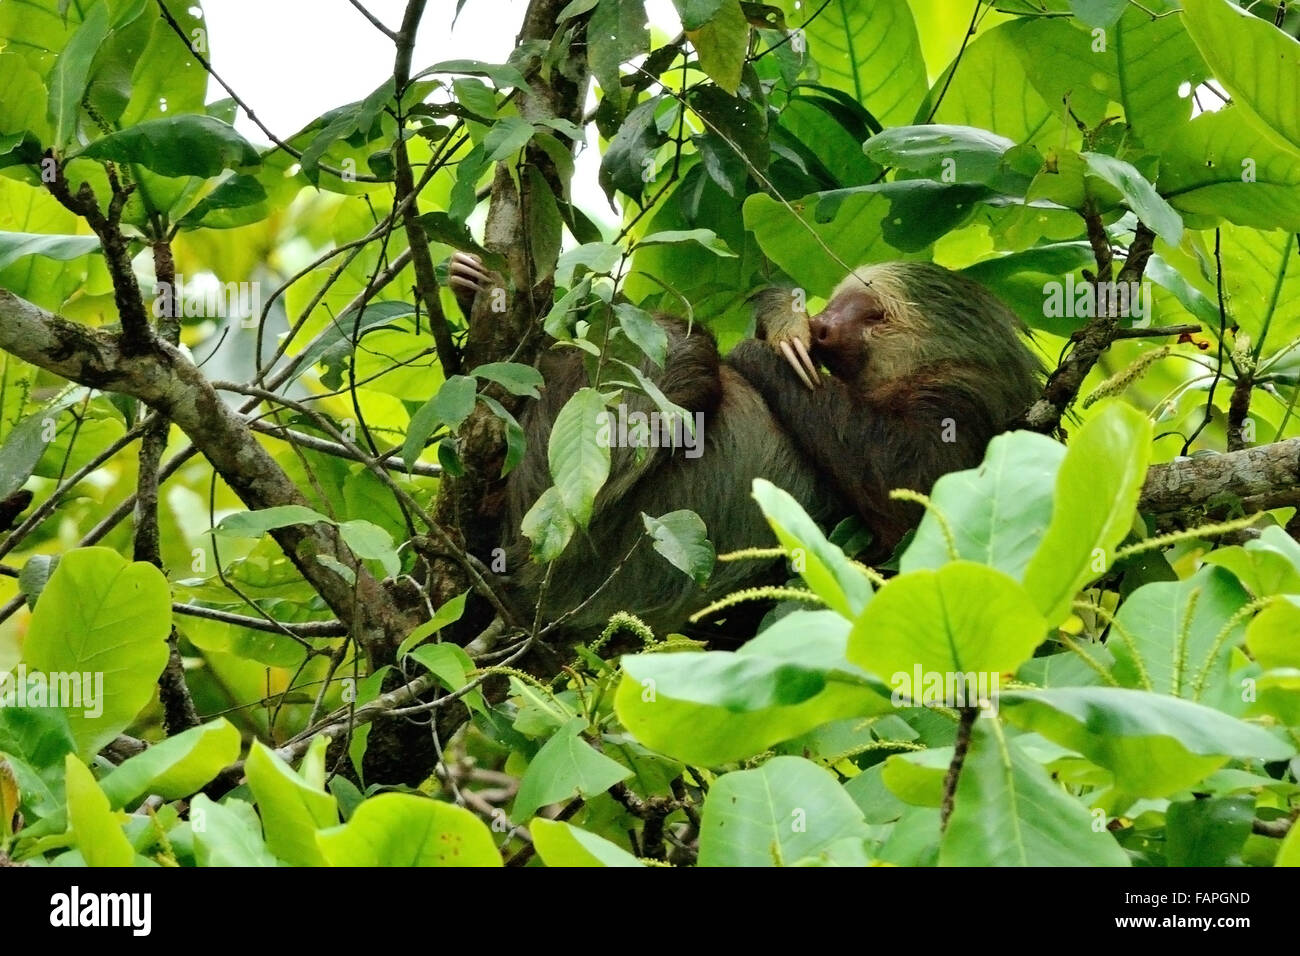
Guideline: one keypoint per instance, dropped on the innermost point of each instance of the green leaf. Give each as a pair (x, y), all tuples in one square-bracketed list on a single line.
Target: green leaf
[(824, 567), (71, 73), (562, 844), (335, 344), (175, 767), (616, 33), (254, 524), (237, 201), (784, 811), (565, 766), (949, 154), (103, 621), (625, 165), (452, 666), (1098, 13), (507, 137), (450, 406), (95, 827), (502, 75), (186, 145), (1175, 634), (1008, 811), (579, 461), (548, 525), (1147, 204), (1208, 832), (1154, 745), (402, 829), (228, 834), (856, 225), (449, 613), (963, 618), (696, 13), (1256, 62), (997, 512), (1272, 635), (872, 52), (292, 810), (514, 377), (1097, 490), (368, 540), (1269, 564), (26, 442), (711, 708), (646, 334), (705, 237), (683, 540), (721, 44), (18, 245), (515, 443), (598, 257)]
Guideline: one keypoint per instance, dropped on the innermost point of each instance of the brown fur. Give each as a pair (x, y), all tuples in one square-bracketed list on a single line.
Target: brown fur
[(929, 367)]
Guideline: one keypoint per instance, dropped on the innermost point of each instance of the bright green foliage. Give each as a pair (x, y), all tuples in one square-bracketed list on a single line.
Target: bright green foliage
[(1119, 698)]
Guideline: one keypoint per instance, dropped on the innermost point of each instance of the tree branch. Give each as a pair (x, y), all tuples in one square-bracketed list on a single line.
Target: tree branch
[(169, 383)]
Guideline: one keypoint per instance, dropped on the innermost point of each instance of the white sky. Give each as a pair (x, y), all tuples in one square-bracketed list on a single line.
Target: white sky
[(291, 60)]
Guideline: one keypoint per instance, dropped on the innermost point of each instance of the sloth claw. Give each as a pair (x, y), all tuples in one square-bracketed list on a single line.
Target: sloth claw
[(465, 271), (789, 351)]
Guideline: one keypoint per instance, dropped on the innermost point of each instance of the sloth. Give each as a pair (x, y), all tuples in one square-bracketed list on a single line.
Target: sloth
[(922, 368)]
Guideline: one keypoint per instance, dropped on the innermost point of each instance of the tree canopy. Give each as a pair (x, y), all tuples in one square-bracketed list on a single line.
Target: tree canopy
[(252, 447)]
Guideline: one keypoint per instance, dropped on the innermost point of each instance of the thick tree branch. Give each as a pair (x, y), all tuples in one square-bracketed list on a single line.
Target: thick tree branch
[(1257, 476), (169, 383)]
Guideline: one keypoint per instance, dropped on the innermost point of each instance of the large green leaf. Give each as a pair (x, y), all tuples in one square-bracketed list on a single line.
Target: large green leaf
[(1097, 489), (1176, 630), (872, 52), (103, 621), (292, 808), (16, 245), (616, 33), (827, 571), (1154, 745), (820, 238), (562, 844), (997, 512), (1255, 61), (1208, 832), (1009, 812), (187, 145), (948, 154), (579, 460), (1139, 195), (991, 90), (175, 767), (784, 811), (721, 44), (566, 765), (403, 829), (714, 707), (92, 823), (963, 618), (228, 834), (72, 72)]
